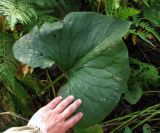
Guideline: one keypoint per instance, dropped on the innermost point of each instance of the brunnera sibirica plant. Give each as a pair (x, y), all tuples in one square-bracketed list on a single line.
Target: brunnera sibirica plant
[(89, 49)]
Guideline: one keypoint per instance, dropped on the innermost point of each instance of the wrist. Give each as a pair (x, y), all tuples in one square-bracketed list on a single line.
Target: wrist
[(38, 129)]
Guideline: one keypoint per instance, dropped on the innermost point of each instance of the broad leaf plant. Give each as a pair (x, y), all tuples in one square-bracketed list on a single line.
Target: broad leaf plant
[(89, 49)]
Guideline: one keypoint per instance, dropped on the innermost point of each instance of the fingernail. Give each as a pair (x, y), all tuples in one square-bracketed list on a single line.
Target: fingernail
[(81, 114), (60, 97), (79, 101), (71, 97)]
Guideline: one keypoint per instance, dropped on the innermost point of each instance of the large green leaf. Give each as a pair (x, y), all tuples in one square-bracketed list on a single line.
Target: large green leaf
[(134, 91), (88, 47)]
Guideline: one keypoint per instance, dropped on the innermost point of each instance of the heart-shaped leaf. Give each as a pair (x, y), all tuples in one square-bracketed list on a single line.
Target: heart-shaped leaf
[(134, 92), (88, 47)]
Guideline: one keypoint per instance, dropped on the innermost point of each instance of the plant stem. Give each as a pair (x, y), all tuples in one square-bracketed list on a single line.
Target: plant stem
[(54, 82), (124, 123), (14, 115), (146, 119), (121, 118), (99, 4), (147, 92), (52, 86), (151, 111)]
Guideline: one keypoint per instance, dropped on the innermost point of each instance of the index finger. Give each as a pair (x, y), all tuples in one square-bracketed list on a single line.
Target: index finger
[(53, 103)]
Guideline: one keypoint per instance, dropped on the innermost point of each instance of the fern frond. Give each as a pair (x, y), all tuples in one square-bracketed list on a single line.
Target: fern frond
[(22, 107), (146, 3), (148, 27), (93, 4), (16, 11), (10, 103), (8, 70), (143, 35), (31, 83), (111, 5), (40, 2), (146, 74), (125, 12), (136, 20), (6, 98), (154, 21)]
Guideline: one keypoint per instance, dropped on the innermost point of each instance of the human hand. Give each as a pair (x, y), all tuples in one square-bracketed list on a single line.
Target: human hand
[(55, 116)]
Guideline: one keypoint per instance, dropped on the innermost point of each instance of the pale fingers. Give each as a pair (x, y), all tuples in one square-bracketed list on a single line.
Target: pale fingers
[(53, 103), (62, 105), (70, 109), (73, 120)]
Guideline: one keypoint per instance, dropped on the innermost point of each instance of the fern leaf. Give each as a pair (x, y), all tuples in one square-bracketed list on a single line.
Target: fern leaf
[(136, 20), (93, 4), (125, 12), (40, 2), (8, 69), (143, 35), (148, 27), (111, 5), (32, 83), (146, 3), (16, 11), (6, 98), (146, 74), (154, 21)]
